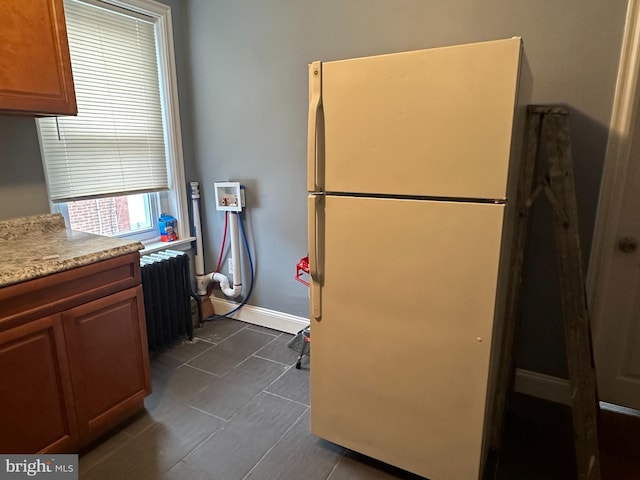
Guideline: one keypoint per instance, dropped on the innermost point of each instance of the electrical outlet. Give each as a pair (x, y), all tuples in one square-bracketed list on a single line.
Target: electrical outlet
[(230, 263)]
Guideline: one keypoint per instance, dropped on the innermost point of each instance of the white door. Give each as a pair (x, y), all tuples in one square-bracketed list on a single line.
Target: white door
[(617, 330), (401, 348), (614, 267), (434, 122)]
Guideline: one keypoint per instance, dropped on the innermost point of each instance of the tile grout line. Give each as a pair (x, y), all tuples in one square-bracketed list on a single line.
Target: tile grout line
[(252, 355), (293, 424), (197, 339), (110, 454), (240, 363), (342, 455), (209, 346), (285, 398), (215, 432), (246, 403), (226, 338), (207, 413), (201, 370), (207, 371), (279, 376), (204, 412), (196, 356), (234, 366), (248, 327), (267, 344), (127, 434), (272, 360)]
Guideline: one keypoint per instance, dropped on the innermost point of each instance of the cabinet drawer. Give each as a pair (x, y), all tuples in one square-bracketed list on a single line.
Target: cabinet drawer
[(26, 301)]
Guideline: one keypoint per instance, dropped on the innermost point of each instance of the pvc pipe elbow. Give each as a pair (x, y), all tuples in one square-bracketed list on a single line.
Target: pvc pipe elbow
[(233, 292), (221, 279), (224, 285)]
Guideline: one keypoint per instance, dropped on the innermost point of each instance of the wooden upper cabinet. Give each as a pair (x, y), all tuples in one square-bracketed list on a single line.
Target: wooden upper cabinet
[(35, 66)]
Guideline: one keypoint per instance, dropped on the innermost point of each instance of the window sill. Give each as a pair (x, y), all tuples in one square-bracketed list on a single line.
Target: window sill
[(155, 245)]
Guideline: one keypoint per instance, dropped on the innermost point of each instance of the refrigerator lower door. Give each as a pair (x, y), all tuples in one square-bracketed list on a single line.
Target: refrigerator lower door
[(401, 349)]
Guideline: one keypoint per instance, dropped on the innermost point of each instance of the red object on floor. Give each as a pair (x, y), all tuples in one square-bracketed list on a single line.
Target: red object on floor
[(303, 266)]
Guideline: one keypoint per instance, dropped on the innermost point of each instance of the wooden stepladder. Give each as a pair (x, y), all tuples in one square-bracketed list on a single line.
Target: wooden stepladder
[(547, 170)]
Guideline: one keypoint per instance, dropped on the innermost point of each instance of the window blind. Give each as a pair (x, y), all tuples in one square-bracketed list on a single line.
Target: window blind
[(116, 143)]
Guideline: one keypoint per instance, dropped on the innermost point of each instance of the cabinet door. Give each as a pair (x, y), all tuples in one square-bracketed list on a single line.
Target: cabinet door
[(35, 66), (109, 362), (36, 403)]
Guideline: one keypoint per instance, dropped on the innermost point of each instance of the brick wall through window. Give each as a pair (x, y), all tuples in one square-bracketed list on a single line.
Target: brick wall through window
[(104, 216)]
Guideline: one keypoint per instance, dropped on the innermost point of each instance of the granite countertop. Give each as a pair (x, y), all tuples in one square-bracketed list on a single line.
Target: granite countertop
[(36, 246)]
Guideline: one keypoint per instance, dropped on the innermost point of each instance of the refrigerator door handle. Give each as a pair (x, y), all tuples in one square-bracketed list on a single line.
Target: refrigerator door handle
[(313, 204), (315, 100)]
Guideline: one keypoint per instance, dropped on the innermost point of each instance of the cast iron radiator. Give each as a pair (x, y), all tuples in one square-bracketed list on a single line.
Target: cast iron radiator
[(166, 286)]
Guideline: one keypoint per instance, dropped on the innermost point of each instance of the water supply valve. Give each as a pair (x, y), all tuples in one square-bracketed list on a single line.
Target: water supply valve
[(229, 196)]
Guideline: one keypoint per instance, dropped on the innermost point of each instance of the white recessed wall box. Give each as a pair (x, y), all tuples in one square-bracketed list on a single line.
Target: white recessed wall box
[(229, 196)]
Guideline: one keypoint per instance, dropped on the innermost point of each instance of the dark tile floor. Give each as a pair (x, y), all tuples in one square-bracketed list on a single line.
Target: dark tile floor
[(231, 406)]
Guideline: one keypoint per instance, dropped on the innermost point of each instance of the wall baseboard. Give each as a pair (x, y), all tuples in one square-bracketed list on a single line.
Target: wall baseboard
[(263, 317), (542, 386), (531, 383)]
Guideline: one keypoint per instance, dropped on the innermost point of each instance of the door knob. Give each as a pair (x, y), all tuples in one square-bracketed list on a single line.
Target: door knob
[(628, 244)]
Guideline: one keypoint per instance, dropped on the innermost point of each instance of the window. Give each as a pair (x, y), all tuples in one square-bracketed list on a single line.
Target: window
[(122, 215), (112, 169)]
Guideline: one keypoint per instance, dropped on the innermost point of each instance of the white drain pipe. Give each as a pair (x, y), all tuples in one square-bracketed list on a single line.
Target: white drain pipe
[(201, 280), (235, 261)]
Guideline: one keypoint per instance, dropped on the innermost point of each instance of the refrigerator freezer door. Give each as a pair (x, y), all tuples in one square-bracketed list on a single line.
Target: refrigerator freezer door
[(400, 360), (434, 122)]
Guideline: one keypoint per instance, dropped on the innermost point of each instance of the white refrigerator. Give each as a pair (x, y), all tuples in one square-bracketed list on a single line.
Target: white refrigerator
[(412, 161)]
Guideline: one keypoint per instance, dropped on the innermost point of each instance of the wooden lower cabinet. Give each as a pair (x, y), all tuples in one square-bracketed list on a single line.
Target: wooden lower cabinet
[(108, 359), (37, 411), (74, 360)]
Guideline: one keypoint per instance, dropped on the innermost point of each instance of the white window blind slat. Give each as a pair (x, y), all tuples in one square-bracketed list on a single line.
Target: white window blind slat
[(116, 144)]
